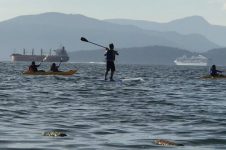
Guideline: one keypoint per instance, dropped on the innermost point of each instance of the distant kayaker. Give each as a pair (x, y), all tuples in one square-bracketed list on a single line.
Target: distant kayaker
[(110, 58), (214, 71), (54, 68), (33, 67)]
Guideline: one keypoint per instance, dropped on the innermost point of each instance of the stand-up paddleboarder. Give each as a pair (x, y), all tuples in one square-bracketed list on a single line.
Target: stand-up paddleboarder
[(110, 58)]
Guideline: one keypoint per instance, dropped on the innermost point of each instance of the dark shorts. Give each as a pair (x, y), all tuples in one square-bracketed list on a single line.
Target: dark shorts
[(110, 66)]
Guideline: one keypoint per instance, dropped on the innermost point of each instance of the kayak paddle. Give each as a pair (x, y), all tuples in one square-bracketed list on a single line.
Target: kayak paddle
[(61, 59), (44, 59)]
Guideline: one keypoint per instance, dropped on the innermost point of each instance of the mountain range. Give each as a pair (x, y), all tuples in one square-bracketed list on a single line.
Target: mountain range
[(188, 25), (157, 55), (49, 30)]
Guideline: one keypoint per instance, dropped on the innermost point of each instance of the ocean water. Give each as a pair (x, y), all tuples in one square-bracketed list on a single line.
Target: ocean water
[(146, 102)]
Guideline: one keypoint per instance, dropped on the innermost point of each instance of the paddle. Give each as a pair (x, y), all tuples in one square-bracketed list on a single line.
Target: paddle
[(85, 40), (44, 59), (61, 59)]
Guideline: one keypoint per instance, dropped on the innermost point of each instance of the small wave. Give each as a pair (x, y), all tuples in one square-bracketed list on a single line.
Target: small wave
[(209, 141)]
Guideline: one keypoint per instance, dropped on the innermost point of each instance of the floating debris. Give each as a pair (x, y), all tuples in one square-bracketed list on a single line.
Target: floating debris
[(54, 133), (166, 143)]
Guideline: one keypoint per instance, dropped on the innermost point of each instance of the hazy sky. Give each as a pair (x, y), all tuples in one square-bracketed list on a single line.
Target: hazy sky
[(154, 10)]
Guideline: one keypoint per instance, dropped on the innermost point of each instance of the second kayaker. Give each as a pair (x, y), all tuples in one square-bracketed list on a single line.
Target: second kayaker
[(54, 68)]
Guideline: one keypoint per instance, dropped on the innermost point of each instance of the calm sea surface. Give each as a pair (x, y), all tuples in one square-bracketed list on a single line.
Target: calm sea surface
[(145, 103)]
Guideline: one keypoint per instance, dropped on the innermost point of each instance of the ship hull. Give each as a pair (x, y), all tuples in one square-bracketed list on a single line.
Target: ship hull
[(192, 61), (19, 57), (190, 64)]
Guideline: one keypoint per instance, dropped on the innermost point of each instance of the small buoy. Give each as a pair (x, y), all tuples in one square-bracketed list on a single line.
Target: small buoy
[(54, 133), (166, 143)]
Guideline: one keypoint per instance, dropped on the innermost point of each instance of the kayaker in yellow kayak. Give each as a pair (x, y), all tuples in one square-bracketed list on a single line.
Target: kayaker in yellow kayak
[(214, 71), (33, 67), (54, 68)]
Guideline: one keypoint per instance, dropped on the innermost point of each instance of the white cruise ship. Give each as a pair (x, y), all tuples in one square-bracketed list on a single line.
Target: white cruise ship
[(192, 61)]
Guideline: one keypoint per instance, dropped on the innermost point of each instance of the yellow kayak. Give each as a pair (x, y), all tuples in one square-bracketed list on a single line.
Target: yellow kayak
[(214, 77), (63, 73)]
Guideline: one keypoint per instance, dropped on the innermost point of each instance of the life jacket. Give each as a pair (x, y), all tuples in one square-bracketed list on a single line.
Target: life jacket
[(33, 68), (110, 55), (54, 69)]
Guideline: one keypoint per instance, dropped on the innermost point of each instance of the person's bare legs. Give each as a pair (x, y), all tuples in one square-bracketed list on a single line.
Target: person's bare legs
[(111, 78), (106, 74)]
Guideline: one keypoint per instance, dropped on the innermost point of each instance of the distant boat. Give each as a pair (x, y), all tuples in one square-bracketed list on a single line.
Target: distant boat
[(61, 55), (199, 60)]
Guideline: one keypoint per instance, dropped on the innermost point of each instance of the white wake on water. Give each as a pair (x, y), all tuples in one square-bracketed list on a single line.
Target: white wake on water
[(133, 79)]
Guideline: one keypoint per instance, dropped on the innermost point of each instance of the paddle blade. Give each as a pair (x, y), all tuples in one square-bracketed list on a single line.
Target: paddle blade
[(44, 59), (84, 39)]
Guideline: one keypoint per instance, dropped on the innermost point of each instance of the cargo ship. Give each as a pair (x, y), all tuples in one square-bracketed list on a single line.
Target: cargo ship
[(199, 60), (60, 55)]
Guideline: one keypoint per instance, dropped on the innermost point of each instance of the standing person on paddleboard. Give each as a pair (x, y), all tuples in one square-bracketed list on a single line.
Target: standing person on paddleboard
[(110, 58)]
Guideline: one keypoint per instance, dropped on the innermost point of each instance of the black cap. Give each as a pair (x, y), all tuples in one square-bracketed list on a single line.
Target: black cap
[(111, 46)]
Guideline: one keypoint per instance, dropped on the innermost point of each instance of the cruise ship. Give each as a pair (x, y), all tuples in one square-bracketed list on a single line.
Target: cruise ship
[(199, 60), (60, 55)]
